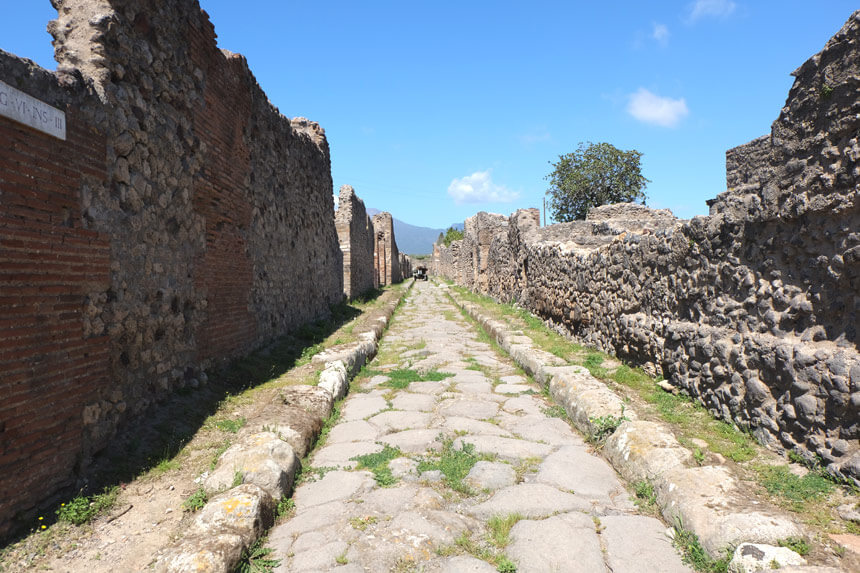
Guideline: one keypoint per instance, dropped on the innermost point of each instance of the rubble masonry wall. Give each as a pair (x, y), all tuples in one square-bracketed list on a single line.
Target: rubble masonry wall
[(184, 221), (752, 310)]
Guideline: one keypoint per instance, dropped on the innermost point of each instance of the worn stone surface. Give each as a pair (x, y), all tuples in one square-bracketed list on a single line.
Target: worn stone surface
[(261, 459), (415, 522), (752, 310), (638, 543), (566, 542), (755, 557), (707, 500)]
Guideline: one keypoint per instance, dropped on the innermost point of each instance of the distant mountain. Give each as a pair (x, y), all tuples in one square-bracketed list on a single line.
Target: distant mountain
[(414, 240)]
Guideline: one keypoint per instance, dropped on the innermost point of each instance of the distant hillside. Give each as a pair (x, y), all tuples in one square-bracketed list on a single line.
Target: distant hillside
[(414, 240)]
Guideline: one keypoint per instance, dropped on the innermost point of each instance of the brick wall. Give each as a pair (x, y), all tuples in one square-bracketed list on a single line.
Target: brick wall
[(184, 222), (357, 238), (49, 369)]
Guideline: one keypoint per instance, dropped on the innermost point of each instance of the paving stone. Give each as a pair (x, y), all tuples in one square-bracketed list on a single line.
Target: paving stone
[(321, 558), (377, 380), (468, 376), (410, 401), (401, 497), (553, 431), (413, 441), (514, 379), (472, 426), (513, 388), (475, 387), (466, 564), (433, 388), (523, 405), (394, 421), (530, 500), (476, 409), (565, 542), (306, 519), (356, 431), (362, 406), (491, 475), (334, 486), (639, 543), (506, 448), (572, 468), (339, 455), (404, 468)]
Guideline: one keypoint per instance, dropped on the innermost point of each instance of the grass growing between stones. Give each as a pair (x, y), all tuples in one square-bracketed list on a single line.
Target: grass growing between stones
[(255, 559), (500, 529), (454, 464), (401, 378), (377, 463), (695, 555), (646, 498), (711, 440), (480, 550), (196, 500)]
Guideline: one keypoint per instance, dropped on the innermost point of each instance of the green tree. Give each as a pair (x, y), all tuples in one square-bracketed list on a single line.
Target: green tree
[(449, 237), (593, 175)]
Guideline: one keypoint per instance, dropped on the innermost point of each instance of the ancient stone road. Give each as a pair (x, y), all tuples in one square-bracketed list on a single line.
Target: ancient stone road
[(574, 514)]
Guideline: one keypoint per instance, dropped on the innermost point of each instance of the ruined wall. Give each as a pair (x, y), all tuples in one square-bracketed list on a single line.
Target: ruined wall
[(752, 310), (386, 257), (357, 239), (183, 222)]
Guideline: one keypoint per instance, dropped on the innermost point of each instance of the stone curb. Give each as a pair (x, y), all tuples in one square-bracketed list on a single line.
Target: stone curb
[(232, 521), (707, 500)]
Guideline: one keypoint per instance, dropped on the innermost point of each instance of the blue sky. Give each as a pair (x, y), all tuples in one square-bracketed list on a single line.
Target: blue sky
[(437, 110)]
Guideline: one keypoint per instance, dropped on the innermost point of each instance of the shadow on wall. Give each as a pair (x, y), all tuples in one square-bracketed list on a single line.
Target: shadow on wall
[(182, 222)]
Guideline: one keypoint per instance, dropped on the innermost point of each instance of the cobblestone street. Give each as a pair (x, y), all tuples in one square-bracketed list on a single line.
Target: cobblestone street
[(464, 468)]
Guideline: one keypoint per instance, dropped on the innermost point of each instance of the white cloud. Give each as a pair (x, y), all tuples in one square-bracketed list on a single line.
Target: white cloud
[(479, 188), (660, 32), (711, 8), (651, 108)]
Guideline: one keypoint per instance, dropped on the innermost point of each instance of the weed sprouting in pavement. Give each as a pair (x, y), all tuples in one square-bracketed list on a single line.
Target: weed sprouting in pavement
[(454, 464), (377, 463)]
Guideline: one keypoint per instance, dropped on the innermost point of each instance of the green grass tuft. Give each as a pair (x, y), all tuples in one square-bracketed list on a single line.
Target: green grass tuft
[(454, 465), (695, 555), (196, 500), (83, 508), (797, 491), (378, 464)]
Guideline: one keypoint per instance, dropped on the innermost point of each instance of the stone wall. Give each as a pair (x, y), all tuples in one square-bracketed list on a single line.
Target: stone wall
[(390, 266), (184, 221), (357, 240), (752, 310)]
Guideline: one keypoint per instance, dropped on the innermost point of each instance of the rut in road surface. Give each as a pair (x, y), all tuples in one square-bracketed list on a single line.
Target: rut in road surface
[(446, 458)]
